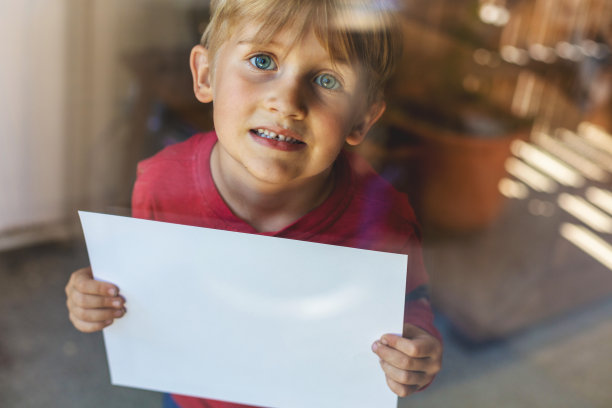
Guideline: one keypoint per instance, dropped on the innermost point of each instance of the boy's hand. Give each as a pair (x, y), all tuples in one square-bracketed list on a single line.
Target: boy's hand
[(92, 305), (409, 362)]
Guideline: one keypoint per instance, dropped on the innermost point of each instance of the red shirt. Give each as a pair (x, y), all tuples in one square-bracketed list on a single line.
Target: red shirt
[(364, 211)]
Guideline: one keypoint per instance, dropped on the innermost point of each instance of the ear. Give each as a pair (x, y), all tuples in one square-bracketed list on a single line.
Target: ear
[(363, 125), (201, 72)]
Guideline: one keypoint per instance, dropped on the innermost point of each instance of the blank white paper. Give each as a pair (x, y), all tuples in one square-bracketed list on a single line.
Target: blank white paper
[(246, 318)]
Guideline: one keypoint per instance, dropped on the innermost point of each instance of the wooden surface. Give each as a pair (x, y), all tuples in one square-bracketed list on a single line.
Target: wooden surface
[(516, 273), (506, 276)]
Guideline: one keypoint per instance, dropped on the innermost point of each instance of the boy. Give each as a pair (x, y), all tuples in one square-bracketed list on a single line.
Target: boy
[(291, 82)]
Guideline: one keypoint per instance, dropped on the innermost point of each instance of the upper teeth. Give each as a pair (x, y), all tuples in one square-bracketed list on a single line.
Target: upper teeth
[(268, 134)]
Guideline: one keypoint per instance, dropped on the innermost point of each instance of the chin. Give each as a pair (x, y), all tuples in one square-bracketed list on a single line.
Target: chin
[(278, 181), (272, 174)]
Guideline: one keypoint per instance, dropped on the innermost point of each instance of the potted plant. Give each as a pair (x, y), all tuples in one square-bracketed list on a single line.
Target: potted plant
[(450, 119)]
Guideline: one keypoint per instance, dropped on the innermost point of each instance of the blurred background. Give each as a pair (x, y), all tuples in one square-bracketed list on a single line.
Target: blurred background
[(498, 127)]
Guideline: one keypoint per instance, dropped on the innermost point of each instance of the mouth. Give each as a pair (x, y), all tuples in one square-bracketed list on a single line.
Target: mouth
[(268, 134)]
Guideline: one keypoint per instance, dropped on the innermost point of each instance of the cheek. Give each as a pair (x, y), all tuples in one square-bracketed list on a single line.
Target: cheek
[(230, 105), (231, 90), (338, 119)]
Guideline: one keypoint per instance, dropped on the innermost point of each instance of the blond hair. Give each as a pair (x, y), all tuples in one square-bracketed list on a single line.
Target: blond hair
[(358, 31)]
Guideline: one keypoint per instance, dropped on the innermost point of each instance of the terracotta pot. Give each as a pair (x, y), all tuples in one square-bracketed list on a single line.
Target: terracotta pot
[(459, 176)]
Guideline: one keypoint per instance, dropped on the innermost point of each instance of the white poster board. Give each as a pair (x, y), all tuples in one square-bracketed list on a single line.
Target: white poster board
[(246, 318)]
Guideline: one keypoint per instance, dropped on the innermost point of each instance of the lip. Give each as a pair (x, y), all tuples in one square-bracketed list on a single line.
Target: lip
[(278, 144), (283, 131)]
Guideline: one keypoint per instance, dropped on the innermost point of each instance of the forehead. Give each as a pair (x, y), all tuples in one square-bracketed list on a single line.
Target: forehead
[(266, 29), (286, 40)]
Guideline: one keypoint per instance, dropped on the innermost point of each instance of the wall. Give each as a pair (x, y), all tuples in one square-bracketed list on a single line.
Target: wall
[(32, 114), (66, 94)]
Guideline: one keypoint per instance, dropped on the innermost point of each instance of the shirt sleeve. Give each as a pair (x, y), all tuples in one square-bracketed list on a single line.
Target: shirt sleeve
[(417, 307), (142, 198)]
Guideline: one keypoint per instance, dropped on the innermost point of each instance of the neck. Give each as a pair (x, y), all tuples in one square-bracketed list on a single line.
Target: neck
[(269, 207)]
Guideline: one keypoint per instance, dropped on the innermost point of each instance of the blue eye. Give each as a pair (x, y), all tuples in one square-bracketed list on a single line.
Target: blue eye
[(327, 81), (263, 61)]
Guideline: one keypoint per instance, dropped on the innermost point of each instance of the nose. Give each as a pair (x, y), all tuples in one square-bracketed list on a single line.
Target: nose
[(287, 97)]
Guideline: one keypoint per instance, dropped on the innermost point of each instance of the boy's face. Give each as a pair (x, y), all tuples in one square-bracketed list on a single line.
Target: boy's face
[(282, 111)]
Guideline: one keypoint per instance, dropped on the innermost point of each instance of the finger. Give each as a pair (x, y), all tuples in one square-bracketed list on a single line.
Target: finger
[(401, 390), (88, 327), (416, 378), (95, 302), (398, 359), (83, 281), (421, 346), (96, 315)]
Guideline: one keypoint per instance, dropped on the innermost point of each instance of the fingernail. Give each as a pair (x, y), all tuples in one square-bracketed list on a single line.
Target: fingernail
[(384, 341), (118, 313), (107, 322), (112, 291), (116, 303), (375, 346)]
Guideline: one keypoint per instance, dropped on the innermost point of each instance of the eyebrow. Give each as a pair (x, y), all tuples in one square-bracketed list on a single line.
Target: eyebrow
[(251, 41)]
